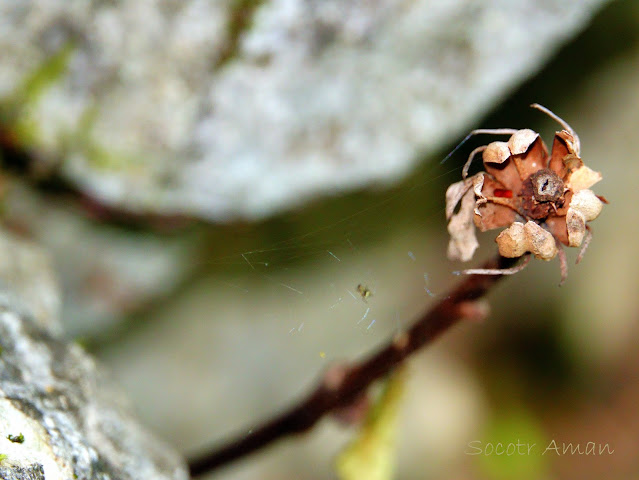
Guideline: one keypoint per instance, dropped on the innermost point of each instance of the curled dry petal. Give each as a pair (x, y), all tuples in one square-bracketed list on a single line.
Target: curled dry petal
[(512, 241), (463, 241), (585, 206), (519, 239), (541, 243), (521, 140), (478, 184), (587, 203), (576, 226), (454, 194), (496, 152)]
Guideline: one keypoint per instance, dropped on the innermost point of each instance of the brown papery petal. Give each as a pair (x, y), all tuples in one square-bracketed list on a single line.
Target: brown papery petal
[(557, 227), (533, 160), (506, 174), (490, 185), (561, 211), (562, 147), (494, 216)]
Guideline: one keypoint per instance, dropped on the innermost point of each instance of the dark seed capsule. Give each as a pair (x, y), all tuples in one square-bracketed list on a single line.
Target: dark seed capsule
[(547, 186)]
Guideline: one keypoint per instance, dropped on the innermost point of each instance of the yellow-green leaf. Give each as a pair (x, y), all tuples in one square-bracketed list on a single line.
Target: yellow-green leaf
[(513, 447), (371, 455)]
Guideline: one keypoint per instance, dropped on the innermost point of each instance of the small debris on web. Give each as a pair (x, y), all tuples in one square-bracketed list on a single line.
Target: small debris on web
[(364, 292)]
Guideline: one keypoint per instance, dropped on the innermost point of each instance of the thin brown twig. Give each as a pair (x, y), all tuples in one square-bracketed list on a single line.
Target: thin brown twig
[(332, 394)]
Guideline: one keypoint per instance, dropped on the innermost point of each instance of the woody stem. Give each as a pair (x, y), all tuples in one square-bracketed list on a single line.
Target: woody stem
[(330, 395)]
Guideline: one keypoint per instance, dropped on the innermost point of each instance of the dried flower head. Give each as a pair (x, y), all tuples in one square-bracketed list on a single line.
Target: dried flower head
[(544, 200)]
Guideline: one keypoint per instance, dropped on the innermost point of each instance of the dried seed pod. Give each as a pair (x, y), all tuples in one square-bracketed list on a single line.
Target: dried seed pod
[(550, 193), (547, 186)]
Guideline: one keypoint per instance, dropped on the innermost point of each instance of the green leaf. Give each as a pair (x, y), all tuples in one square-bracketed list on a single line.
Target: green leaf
[(513, 448), (15, 109), (371, 455), (45, 75)]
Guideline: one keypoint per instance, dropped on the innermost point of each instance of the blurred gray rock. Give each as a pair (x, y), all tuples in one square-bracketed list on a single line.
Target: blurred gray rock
[(240, 109), (26, 276), (61, 417), (105, 271)]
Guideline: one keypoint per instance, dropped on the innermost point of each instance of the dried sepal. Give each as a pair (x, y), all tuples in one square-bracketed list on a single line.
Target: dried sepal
[(581, 178), (489, 215), (519, 239), (574, 141)]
